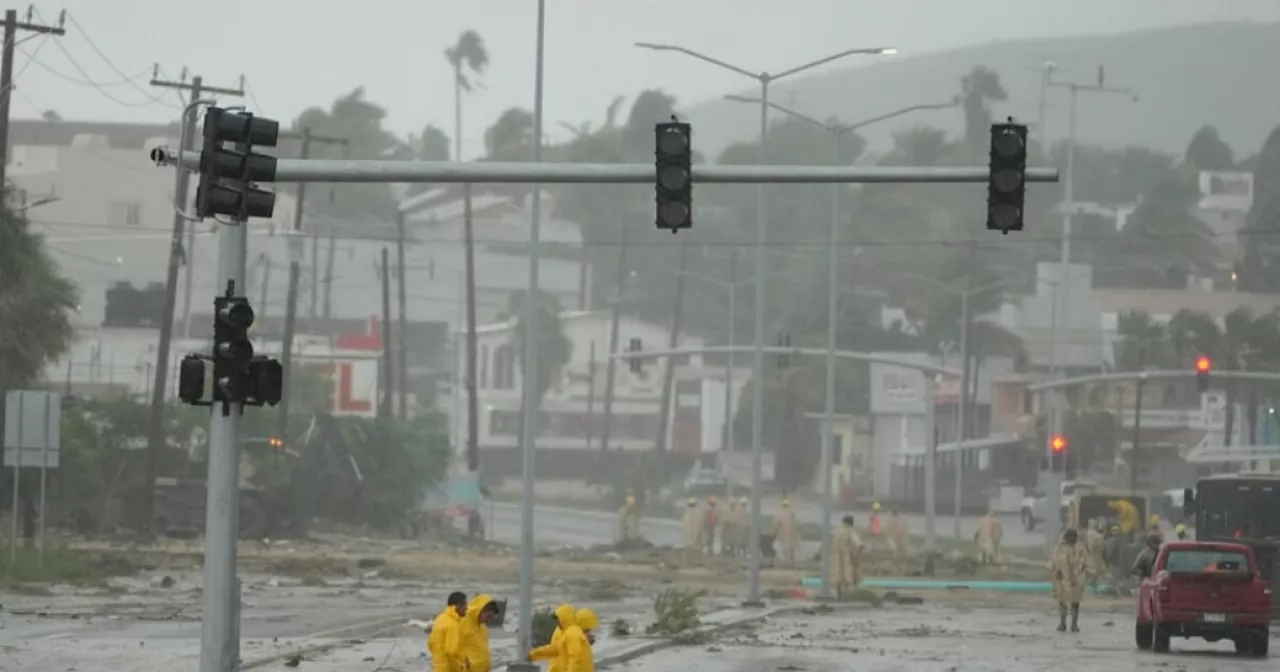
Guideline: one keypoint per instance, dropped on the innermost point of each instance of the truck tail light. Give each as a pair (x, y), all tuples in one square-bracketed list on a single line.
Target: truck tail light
[(1266, 591)]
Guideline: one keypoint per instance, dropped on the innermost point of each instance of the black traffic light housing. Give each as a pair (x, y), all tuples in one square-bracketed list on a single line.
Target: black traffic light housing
[(194, 381), (1007, 183), (673, 174), (634, 362), (232, 350), (227, 174), (1203, 367)]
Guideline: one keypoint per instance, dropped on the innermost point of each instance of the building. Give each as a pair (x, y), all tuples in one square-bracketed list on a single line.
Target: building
[(1225, 200), (107, 212), (570, 422)]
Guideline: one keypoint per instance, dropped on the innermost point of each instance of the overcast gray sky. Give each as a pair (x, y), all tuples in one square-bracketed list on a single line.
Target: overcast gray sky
[(298, 53)]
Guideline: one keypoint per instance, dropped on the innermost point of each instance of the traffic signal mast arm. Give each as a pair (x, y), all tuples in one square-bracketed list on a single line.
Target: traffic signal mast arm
[(497, 172)]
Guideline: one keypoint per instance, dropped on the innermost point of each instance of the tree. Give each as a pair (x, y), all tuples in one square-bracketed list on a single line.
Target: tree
[(1142, 343), (977, 88), (359, 122), (36, 303), (1261, 234), (432, 145), (511, 136), (1165, 237), (554, 348), (1207, 151)]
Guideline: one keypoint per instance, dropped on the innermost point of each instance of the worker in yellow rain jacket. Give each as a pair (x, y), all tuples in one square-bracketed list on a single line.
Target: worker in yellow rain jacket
[(1069, 569), (729, 528), (578, 640), (873, 528), (554, 650), (692, 526), (474, 634), (443, 642), (1094, 540), (988, 538), (846, 556), (786, 531), (628, 524)]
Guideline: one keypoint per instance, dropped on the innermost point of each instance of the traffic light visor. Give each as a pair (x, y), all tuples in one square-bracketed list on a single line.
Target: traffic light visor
[(1006, 180), (1203, 365), (1007, 144), (673, 142), (238, 315), (1058, 443), (1005, 215), (673, 178), (673, 215)]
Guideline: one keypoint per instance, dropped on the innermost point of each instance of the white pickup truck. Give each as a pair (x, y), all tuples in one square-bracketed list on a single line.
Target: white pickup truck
[(1033, 507)]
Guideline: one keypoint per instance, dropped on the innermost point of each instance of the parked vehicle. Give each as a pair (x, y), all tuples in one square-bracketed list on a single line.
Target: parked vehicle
[(1243, 509), (1034, 507), (704, 481), (1210, 590), (1116, 507)]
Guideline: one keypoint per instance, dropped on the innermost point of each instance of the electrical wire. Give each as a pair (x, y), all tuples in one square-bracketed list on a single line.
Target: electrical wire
[(91, 82), (84, 82), (1003, 242), (107, 59), (253, 98)]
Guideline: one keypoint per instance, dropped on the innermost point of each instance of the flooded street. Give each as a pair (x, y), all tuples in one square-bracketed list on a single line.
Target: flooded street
[(943, 639)]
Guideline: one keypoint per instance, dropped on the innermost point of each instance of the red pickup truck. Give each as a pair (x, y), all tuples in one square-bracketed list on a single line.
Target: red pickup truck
[(1210, 590)]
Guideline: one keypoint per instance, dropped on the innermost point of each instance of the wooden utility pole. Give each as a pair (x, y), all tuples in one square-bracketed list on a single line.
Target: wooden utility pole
[(295, 269), (388, 379), (11, 28), (156, 439), (673, 341), (615, 323), (402, 331), (473, 401)]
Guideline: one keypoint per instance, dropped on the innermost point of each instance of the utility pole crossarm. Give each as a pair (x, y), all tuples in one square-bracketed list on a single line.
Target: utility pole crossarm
[(204, 88), (37, 28)]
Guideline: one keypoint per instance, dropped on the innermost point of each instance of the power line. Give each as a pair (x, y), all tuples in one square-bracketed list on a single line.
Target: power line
[(106, 59)]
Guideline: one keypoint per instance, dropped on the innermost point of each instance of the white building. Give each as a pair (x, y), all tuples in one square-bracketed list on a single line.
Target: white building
[(570, 423)]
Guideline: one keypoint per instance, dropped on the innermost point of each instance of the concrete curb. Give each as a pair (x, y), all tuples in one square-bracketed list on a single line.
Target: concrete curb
[(336, 639)]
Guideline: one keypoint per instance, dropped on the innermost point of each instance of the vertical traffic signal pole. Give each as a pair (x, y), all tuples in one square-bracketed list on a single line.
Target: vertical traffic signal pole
[(156, 438)]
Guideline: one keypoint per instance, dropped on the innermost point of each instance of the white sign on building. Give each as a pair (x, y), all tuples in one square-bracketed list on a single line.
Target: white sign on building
[(897, 390)]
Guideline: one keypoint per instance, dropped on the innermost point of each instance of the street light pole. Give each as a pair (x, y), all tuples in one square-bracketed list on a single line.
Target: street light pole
[(838, 133), (529, 403), (757, 363)]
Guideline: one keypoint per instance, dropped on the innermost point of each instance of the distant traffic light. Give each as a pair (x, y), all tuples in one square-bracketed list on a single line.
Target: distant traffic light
[(1007, 183), (635, 363), (1058, 453), (1203, 366), (275, 443), (227, 175), (673, 153)]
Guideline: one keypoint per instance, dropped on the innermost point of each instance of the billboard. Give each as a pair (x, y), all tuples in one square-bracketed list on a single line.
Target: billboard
[(355, 382), (896, 390)]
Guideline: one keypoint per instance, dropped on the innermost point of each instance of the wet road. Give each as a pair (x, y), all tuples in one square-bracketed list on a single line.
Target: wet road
[(556, 525), (937, 639)]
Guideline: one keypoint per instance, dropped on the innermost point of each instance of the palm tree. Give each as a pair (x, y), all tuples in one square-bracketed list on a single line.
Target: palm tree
[(554, 347), (469, 58), (511, 136), (1143, 342), (981, 85)]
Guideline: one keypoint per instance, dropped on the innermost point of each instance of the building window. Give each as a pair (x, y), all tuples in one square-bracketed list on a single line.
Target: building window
[(125, 214)]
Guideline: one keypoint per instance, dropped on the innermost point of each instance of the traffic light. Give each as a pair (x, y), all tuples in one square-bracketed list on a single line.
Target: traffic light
[(674, 175), (1007, 183), (193, 384), (275, 443), (232, 351), (227, 174), (1058, 453), (635, 362), (1203, 366), (266, 382), (784, 341)]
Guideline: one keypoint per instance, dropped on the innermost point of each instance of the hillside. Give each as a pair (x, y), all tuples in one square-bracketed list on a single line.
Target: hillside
[(1222, 73)]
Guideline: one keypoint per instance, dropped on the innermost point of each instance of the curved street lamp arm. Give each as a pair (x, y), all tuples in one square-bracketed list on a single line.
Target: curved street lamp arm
[(702, 57), (834, 57)]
